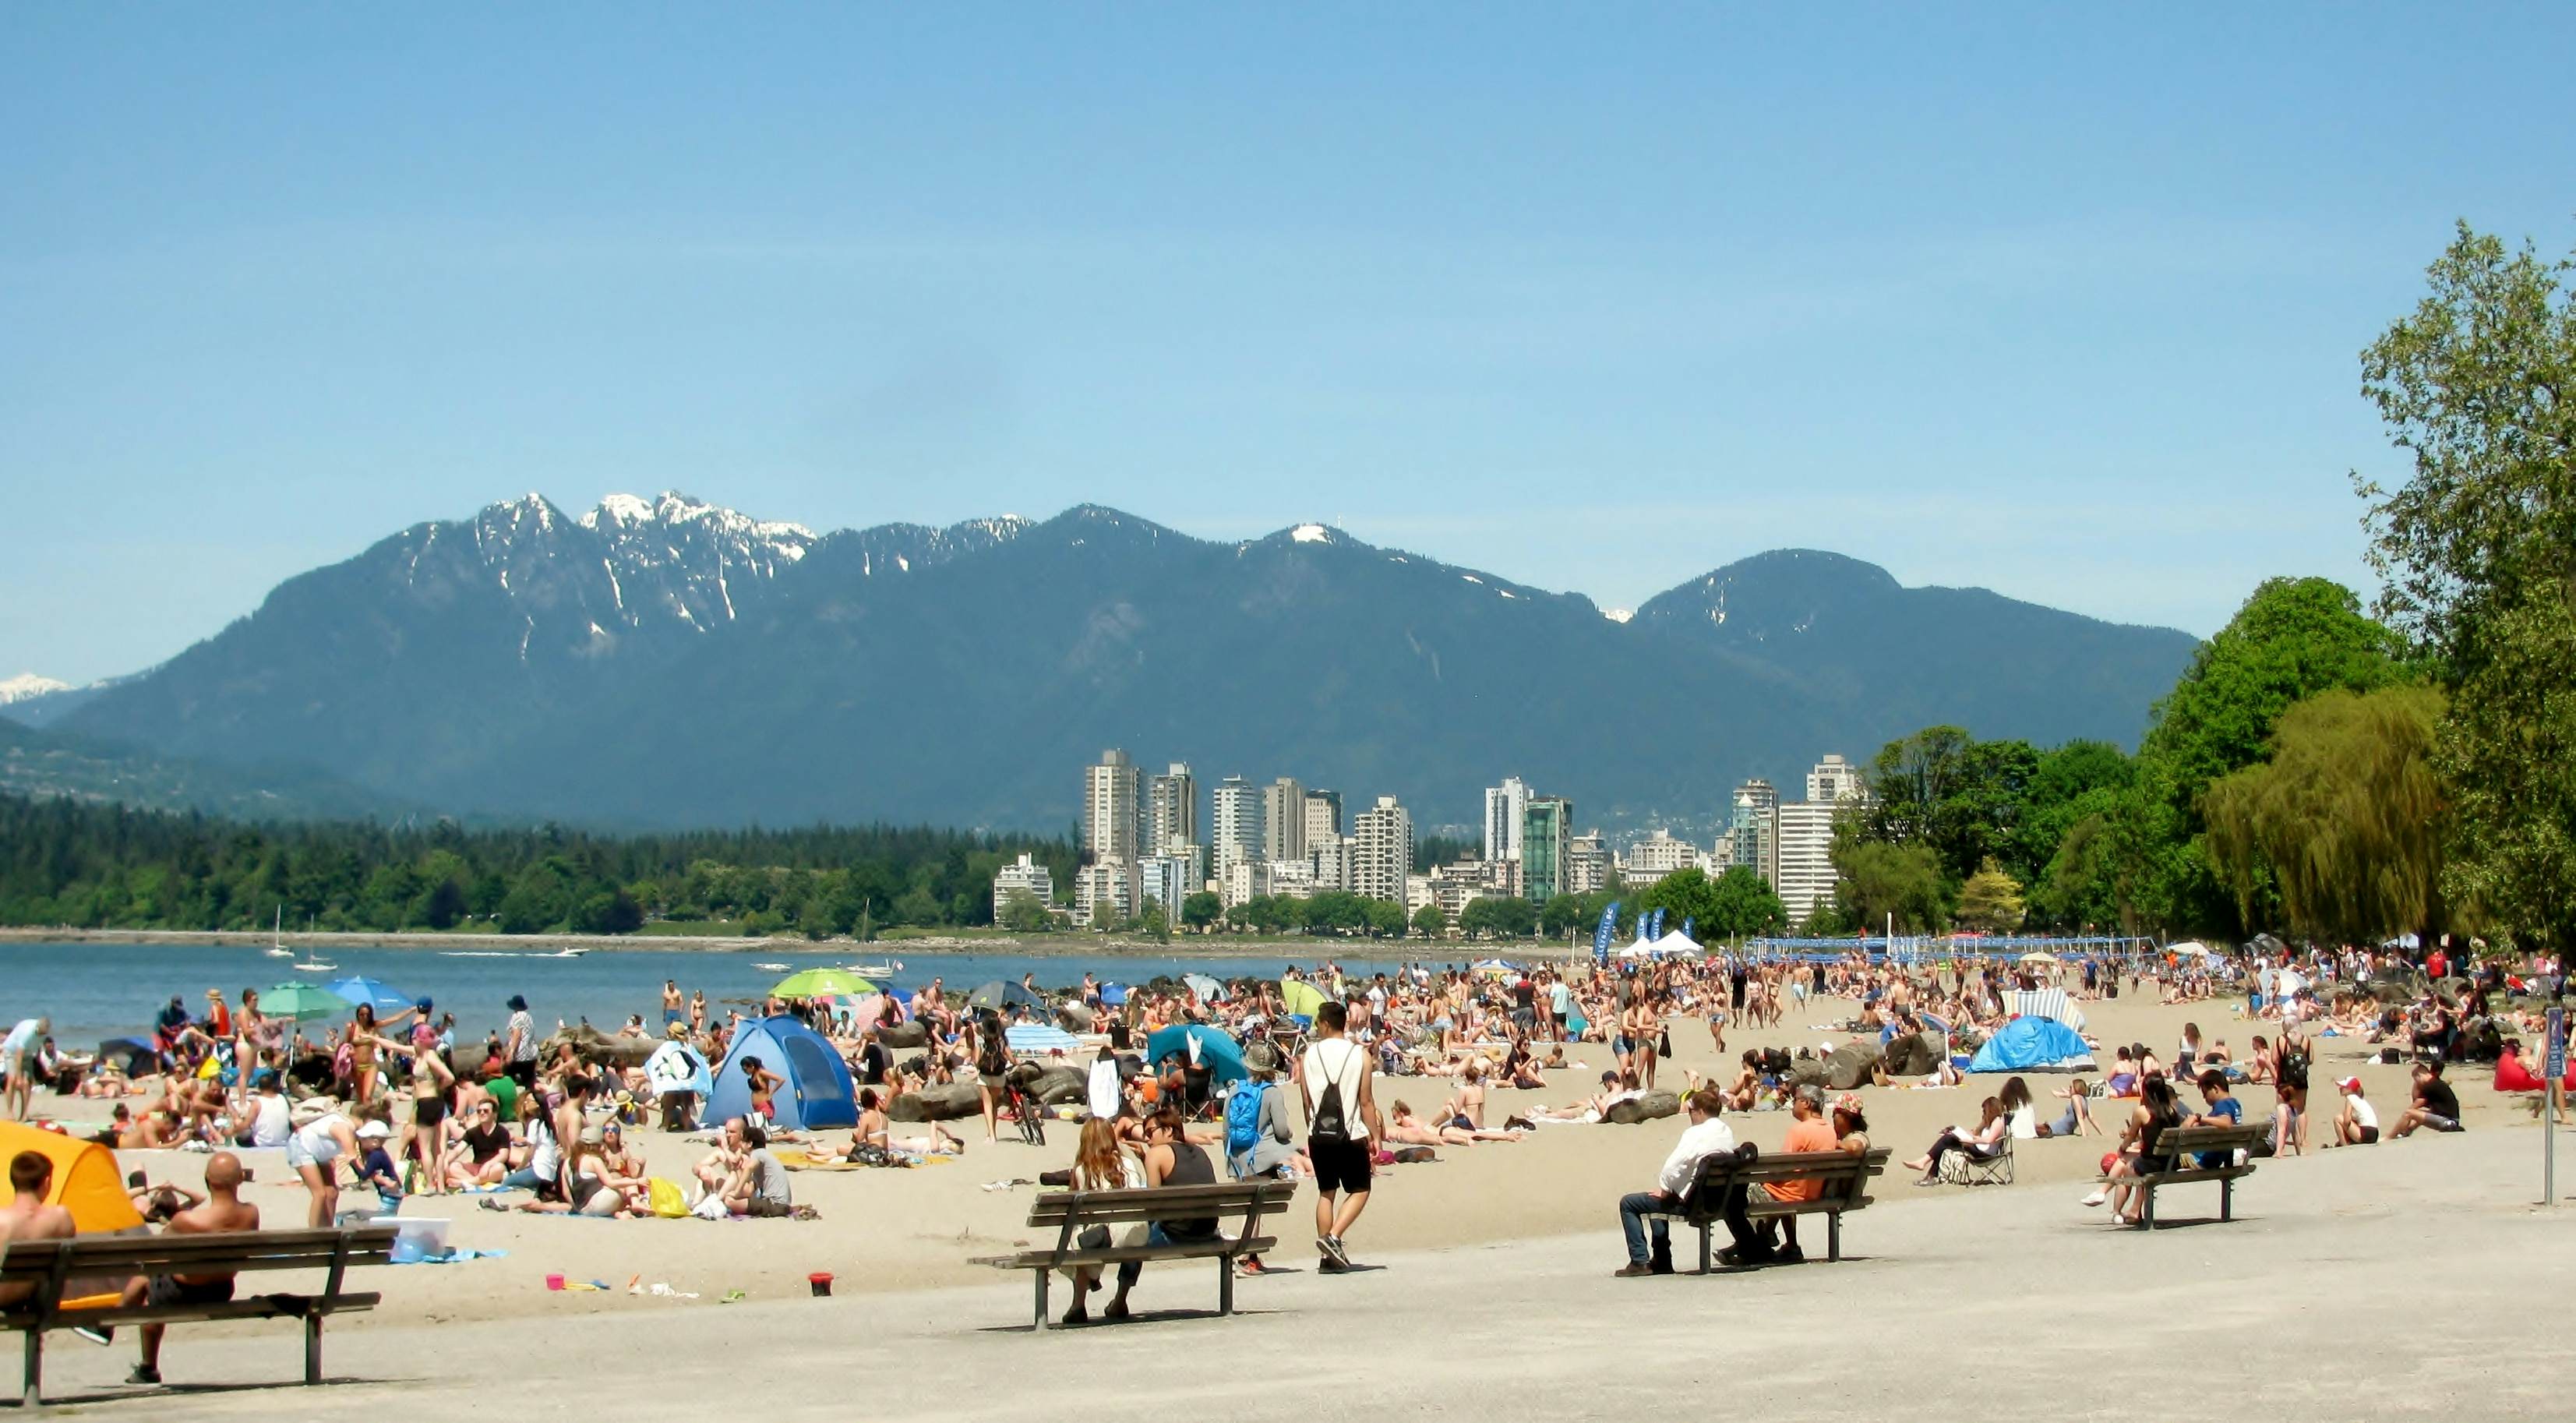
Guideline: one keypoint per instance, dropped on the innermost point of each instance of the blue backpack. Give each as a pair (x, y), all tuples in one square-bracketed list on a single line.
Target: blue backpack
[(1243, 1117)]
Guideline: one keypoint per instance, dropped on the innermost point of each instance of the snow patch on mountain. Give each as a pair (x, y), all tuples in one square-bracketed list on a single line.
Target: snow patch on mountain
[(28, 684)]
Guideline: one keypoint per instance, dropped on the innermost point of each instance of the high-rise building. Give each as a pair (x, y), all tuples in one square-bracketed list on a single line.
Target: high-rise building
[(1166, 880), (1806, 837), (1323, 817), (1171, 810), (1110, 795), (1753, 836), (1505, 805), (1331, 857), (1547, 830), (1023, 874), (1381, 852), (1104, 892), (1234, 826), (1283, 819), (1587, 864), (1242, 881)]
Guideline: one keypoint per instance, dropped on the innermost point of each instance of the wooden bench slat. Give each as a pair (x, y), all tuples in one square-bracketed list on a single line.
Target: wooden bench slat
[(1122, 1254), (248, 1307)]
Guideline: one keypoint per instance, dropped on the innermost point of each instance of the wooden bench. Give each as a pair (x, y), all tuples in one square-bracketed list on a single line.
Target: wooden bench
[(2184, 1145), (95, 1264), (1842, 1178), (1070, 1213)]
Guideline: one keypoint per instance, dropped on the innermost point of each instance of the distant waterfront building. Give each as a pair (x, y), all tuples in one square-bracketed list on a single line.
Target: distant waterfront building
[(1166, 880), (1331, 857), (1110, 795), (1027, 874), (1293, 878), (1323, 817), (1505, 805), (1171, 810), (1103, 892), (1283, 820), (1587, 864), (1381, 850), (1234, 829), (1418, 891), (1243, 880), (1547, 834), (1658, 855), (1753, 838), (1806, 838)]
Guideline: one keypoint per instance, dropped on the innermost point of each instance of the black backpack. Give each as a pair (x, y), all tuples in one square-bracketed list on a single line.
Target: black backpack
[(1330, 1126)]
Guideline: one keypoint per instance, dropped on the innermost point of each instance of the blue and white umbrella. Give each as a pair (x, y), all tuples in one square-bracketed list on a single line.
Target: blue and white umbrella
[(1113, 995), (374, 992), (1039, 1038), (676, 1067)]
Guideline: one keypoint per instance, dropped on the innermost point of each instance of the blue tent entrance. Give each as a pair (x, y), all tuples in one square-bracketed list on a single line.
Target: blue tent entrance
[(2033, 1045), (819, 1092)]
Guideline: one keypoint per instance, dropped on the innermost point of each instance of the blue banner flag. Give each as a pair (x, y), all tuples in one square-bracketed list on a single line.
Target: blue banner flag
[(1655, 927), (1686, 928), (1601, 934)]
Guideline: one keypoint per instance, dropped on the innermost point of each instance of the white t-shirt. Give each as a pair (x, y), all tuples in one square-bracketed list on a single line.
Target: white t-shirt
[(1329, 1061), (2363, 1113), (21, 1039), (270, 1121)]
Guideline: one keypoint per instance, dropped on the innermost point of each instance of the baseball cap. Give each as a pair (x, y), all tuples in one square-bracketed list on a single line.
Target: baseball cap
[(2349, 1084), (374, 1131)]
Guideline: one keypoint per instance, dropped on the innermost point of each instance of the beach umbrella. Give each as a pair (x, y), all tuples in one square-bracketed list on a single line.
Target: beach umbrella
[(374, 992), (2191, 949), (132, 1056), (676, 1067), (1113, 995), (302, 1003), (1208, 989), (2038, 957), (1218, 1050), (821, 983), (998, 995), (1038, 1038), (865, 1008), (1300, 998), (1493, 966)]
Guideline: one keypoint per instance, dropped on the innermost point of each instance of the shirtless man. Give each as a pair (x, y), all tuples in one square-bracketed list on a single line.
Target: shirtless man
[(1594, 1108), (27, 1217), (223, 1210)]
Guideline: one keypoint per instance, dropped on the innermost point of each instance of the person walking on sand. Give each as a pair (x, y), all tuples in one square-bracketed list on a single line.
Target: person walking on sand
[(1341, 1123), (15, 1050)]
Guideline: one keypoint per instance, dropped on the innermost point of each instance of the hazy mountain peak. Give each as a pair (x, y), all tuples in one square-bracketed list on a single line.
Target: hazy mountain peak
[(28, 684)]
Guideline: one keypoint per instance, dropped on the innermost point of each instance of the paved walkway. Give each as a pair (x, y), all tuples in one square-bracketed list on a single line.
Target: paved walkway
[(2359, 1283)]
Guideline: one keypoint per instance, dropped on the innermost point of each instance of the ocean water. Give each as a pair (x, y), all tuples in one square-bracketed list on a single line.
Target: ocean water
[(93, 991)]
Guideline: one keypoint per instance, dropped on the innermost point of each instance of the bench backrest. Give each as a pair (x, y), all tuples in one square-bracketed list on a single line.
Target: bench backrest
[(237, 1252), (2191, 1141), (1249, 1199), (1841, 1174)]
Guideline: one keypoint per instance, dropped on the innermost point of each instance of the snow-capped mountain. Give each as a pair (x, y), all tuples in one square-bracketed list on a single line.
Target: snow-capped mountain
[(670, 661), (28, 684)]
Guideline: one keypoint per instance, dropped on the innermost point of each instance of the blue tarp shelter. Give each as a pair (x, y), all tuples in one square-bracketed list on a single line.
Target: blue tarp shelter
[(819, 1092), (2033, 1045)]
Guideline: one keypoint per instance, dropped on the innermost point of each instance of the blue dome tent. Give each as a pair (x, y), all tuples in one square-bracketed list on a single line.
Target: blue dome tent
[(819, 1092), (2033, 1045)]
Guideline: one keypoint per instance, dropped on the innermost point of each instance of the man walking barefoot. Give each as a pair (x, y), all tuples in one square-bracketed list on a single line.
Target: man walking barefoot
[(1342, 1124)]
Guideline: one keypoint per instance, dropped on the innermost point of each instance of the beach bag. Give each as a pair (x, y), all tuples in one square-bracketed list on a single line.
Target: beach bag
[(1243, 1118), (668, 1203)]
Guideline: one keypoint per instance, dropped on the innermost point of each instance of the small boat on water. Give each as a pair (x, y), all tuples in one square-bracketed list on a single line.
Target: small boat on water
[(314, 966), (564, 953), (876, 970), (771, 967), (277, 948)]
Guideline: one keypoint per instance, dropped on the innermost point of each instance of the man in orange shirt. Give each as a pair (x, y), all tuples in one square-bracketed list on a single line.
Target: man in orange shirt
[(1809, 1132)]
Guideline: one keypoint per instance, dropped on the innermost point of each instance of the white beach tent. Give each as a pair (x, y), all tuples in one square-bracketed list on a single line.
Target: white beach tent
[(1678, 945)]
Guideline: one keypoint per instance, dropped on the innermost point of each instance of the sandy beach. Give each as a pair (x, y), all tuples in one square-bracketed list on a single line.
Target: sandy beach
[(2366, 1277), (901, 1230)]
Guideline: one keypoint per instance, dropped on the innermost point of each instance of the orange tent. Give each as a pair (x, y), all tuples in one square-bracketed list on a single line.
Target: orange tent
[(85, 1178), (86, 1184)]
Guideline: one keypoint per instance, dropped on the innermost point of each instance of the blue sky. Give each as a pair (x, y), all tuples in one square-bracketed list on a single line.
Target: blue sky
[(2064, 302)]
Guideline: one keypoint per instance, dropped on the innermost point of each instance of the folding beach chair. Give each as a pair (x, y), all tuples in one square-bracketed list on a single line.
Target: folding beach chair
[(1966, 1168)]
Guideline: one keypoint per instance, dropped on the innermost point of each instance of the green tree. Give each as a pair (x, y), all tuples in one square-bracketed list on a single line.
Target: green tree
[(2478, 387), (1686, 893), (1154, 924), (1878, 880), (1385, 918), (1202, 909), (2348, 817), (1024, 913), (1743, 903), (1990, 902), (1430, 923)]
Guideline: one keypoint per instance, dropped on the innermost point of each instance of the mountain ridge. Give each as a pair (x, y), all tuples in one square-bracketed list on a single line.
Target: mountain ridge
[(670, 661)]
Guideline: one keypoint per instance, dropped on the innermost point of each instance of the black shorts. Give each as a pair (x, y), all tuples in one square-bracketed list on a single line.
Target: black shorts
[(2369, 1136), (1340, 1165), (166, 1292), (525, 1074), (429, 1111)]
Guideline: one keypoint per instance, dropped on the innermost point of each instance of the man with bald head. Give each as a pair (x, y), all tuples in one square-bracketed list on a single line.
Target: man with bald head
[(222, 1210)]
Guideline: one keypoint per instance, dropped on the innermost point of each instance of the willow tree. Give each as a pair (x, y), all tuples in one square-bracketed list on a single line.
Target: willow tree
[(2346, 822), (2478, 550)]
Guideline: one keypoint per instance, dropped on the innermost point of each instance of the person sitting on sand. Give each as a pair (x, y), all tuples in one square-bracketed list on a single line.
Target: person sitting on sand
[(2435, 1104), (2358, 1123)]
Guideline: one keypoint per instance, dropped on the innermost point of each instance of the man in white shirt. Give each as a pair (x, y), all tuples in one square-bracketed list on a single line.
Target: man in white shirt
[(1705, 1136), (1338, 1140)]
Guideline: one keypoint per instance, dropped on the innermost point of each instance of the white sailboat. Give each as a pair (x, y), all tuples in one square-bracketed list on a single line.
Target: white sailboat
[(277, 948)]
